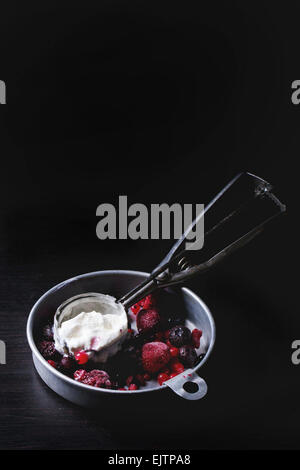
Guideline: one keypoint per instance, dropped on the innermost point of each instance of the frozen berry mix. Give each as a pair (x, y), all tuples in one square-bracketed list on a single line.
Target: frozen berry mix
[(158, 346)]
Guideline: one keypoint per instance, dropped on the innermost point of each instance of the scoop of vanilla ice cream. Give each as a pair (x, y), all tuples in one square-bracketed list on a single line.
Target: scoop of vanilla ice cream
[(102, 327)]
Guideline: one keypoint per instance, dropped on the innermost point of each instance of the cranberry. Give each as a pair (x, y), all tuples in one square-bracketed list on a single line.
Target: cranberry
[(132, 387), (177, 367), (167, 334), (82, 357), (123, 389), (161, 378), (174, 351), (52, 363), (179, 336), (147, 377), (196, 335)]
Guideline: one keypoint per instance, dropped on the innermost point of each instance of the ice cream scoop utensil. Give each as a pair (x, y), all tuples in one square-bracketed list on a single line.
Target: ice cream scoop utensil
[(236, 215)]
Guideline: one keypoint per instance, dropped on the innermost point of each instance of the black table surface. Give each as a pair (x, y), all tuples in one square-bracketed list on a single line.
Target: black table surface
[(252, 400)]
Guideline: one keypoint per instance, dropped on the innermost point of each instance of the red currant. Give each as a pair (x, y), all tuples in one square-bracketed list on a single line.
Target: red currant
[(174, 351), (177, 367), (133, 387), (161, 378), (52, 363), (196, 335), (173, 375), (81, 357), (135, 309), (129, 380)]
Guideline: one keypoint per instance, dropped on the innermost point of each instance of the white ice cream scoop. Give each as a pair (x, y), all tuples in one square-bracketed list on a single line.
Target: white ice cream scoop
[(90, 322)]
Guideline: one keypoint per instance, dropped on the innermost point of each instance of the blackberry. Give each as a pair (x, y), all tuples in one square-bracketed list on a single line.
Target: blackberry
[(188, 355), (67, 363), (173, 319), (47, 350), (47, 332), (179, 336)]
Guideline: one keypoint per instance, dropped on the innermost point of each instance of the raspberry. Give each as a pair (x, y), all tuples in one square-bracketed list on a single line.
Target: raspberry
[(95, 378), (196, 335), (82, 357), (147, 320), (161, 378), (148, 302), (155, 356), (79, 375)]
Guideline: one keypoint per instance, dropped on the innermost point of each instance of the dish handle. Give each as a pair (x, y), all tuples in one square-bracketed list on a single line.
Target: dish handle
[(188, 385)]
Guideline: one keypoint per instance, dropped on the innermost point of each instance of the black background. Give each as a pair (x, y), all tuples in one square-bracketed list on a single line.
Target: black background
[(164, 102)]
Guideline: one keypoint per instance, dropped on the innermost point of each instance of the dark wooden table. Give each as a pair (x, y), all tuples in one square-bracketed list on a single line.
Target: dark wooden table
[(253, 387)]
